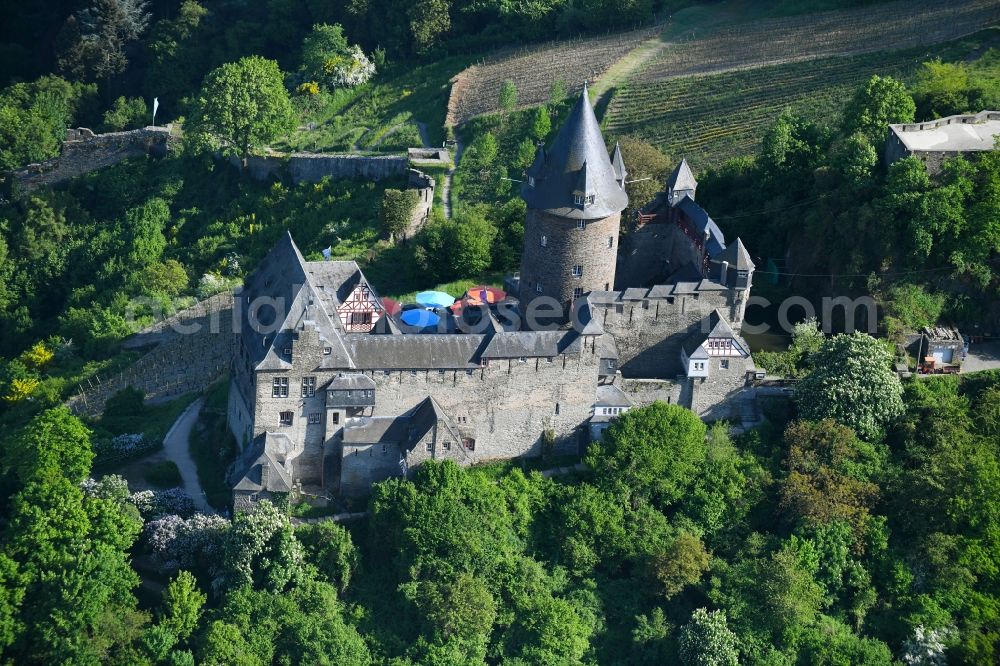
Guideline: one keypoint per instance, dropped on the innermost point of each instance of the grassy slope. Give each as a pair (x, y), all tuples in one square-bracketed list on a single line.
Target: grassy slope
[(711, 118), (381, 115)]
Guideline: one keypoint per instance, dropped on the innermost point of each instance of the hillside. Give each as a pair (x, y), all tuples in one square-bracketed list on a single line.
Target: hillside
[(711, 118), (476, 89)]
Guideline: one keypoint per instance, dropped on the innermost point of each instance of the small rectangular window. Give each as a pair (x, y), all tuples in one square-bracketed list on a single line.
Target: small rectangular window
[(578, 271), (279, 387), (724, 364), (577, 292), (286, 418), (611, 241), (335, 418), (447, 446), (543, 241), (581, 224), (288, 351), (315, 418), (523, 359), (557, 408), (327, 351), (308, 387), (428, 447)]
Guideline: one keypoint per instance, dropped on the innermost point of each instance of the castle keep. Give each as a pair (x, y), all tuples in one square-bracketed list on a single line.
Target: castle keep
[(331, 393)]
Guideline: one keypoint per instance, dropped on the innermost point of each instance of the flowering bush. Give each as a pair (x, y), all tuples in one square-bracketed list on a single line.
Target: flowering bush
[(189, 543), (122, 447), (348, 70), (154, 504)]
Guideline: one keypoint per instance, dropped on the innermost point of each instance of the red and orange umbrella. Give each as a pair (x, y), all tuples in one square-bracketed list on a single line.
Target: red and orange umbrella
[(483, 294)]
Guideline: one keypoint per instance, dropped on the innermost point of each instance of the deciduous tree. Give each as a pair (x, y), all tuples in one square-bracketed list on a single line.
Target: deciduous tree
[(242, 106)]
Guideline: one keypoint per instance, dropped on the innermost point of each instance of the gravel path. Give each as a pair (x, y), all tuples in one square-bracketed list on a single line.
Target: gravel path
[(176, 448)]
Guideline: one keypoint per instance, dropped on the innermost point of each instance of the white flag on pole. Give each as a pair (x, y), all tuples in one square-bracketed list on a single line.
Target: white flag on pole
[(156, 105)]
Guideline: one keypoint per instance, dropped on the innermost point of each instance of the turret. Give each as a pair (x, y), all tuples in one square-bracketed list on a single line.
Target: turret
[(575, 194), (681, 183)]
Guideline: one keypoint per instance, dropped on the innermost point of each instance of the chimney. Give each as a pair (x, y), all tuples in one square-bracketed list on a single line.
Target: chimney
[(264, 467), (724, 272)]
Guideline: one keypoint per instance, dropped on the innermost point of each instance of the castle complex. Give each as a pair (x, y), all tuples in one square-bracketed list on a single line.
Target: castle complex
[(331, 393)]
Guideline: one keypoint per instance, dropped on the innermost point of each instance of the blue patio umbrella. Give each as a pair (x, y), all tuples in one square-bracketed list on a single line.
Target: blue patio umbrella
[(434, 299), (419, 318)]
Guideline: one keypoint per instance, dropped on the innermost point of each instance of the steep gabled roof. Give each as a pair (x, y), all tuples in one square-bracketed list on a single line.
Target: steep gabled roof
[(682, 179), (289, 295), (737, 256), (261, 469), (578, 142), (618, 164)]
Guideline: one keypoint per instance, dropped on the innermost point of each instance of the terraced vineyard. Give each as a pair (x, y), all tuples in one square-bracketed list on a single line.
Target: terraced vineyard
[(711, 118), (476, 90), (884, 27)]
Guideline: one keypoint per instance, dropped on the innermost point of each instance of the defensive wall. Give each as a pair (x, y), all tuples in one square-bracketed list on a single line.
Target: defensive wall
[(84, 151)]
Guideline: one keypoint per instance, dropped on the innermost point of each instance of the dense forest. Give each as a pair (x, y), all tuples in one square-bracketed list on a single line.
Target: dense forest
[(860, 524)]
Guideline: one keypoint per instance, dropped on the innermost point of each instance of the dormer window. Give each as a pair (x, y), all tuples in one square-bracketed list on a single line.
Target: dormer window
[(287, 351), (583, 199), (531, 181), (327, 351), (543, 241)]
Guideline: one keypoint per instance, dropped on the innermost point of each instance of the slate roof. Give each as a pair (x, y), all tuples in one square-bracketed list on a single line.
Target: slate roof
[(350, 382), (262, 454), (285, 299), (426, 416), (405, 430), (618, 163), (609, 395), (533, 344), (578, 147), (682, 179), (414, 352), (716, 326), (737, 256), (702, 222), (375, 430)]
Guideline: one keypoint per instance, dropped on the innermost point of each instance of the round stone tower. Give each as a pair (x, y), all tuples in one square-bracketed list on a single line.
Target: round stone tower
[(575, 194)]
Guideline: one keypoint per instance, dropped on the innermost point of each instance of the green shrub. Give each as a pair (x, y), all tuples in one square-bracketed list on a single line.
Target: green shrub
[(163, 474), (125, 114)]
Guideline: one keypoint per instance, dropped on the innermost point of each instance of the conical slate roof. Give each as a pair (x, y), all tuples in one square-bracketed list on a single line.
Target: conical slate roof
[(619, 164), (578, 143), (682, 179)]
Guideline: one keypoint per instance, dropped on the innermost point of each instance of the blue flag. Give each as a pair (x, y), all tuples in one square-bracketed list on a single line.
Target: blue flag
[(327, 252)]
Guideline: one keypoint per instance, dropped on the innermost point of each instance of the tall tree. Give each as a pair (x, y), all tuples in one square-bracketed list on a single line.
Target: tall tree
[(102, 33), (877, 104), (650, 453), (852, 382), (242, 106)]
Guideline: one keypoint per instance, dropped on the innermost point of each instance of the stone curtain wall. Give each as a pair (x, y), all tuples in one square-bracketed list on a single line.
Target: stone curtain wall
[(649, 332), (83, 152), (177, 364), (314, 167)]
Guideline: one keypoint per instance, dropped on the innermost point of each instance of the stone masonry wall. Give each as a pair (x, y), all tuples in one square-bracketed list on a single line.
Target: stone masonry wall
[(594, 248), (314, 167), (504, 407), (649, 333), (83, 152), (189, 352), (718, 396)]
